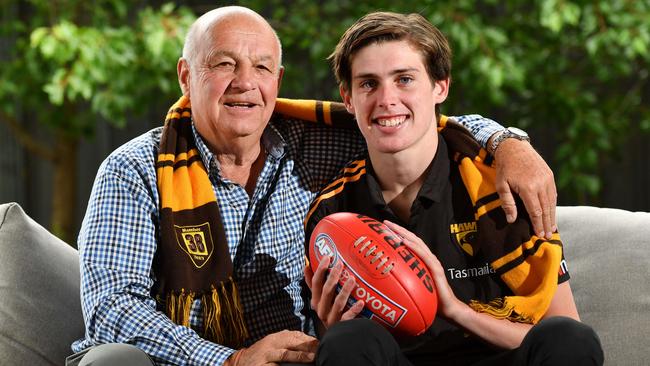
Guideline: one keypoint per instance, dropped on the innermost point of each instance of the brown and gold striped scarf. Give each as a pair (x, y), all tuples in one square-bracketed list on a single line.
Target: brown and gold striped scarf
[(528, 264), (192, 261)]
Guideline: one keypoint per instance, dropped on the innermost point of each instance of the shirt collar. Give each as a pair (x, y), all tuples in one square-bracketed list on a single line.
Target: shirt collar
[(272, 141), (206, 155), (438, 174), (376, 195), (434, 184)]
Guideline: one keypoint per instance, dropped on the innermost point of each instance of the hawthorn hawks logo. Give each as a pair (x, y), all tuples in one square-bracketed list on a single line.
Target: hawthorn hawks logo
[(196, 242), (465, 235)]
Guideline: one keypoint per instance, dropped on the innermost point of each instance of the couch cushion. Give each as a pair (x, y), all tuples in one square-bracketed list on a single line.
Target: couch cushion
[(39, 287), (608, 254)]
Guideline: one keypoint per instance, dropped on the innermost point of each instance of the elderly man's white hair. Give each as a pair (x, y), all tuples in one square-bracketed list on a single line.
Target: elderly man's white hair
[(205, 22)]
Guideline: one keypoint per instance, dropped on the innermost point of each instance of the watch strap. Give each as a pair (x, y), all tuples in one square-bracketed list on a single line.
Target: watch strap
[(505, 134)]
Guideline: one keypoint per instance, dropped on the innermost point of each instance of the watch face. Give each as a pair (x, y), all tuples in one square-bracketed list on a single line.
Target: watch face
[(518, 132)]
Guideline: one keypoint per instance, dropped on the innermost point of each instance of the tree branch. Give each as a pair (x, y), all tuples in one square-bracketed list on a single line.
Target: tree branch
[(25, 138)]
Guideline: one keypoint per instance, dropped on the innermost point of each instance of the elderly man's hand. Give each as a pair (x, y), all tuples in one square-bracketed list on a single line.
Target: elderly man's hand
[(520, 169), (284, 346)]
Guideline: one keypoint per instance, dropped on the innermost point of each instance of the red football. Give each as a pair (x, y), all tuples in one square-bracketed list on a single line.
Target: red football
[(395, 285)]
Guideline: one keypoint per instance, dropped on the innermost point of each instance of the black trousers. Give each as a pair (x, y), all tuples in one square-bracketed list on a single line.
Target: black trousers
[(554, 341)]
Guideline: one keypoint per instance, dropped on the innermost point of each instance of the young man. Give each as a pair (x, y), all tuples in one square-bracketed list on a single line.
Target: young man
[(436, 190)]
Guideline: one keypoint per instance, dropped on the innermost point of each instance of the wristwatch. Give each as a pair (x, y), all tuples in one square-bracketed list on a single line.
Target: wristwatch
[(510, 132)]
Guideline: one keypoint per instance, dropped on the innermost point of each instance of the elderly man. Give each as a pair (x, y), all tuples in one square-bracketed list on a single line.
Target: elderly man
[(192, 244)]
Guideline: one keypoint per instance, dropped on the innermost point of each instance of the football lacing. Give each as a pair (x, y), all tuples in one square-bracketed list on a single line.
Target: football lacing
[(379, 256)]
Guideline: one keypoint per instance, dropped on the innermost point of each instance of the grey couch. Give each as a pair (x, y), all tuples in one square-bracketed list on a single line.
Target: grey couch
[(608, 252)]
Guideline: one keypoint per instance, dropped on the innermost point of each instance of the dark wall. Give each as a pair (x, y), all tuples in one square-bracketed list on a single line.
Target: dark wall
[(26, 179)]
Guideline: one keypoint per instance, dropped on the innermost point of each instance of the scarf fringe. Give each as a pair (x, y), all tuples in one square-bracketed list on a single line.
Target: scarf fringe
[(498, 308), (223, 320), (179, 306)]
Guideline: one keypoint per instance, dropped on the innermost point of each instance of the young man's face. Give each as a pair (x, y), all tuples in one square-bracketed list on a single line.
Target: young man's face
[(391, 92)]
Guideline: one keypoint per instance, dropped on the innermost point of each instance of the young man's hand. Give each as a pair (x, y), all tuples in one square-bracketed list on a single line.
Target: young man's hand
[(330, 306), (448, 303), (520, 169)]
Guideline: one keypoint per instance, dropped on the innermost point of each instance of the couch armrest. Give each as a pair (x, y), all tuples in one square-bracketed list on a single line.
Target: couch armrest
[(608, 255), (39, 288)]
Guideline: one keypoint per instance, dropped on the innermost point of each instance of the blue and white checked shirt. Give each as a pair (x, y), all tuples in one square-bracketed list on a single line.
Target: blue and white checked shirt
[(119, 235)]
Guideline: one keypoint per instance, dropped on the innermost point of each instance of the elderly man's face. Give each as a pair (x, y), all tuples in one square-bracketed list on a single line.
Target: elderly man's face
[(233, 81)]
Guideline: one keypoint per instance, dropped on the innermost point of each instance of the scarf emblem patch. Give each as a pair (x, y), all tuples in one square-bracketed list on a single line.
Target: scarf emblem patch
[(196, 242), (465, 236)]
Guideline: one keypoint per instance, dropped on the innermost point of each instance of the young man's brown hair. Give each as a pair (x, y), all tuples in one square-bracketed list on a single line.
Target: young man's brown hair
[(387, 26)]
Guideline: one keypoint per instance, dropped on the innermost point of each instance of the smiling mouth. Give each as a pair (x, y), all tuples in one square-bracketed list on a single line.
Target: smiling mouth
[(390, 121), (240, 105)]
